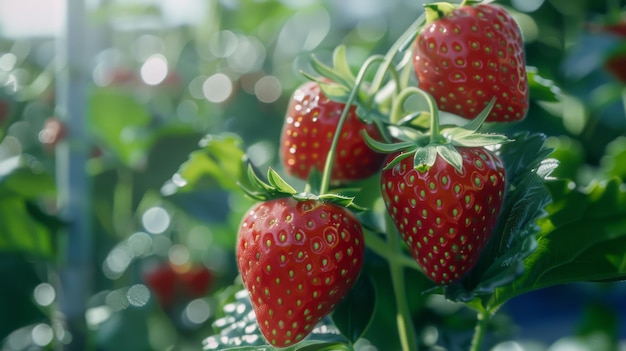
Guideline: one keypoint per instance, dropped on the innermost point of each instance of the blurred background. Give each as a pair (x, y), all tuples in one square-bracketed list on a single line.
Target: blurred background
[(103, 245)]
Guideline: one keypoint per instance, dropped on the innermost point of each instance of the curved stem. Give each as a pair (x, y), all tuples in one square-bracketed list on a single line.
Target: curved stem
[(403, 317), (330, 158), (407, 36), (435, 134), (480, 330)]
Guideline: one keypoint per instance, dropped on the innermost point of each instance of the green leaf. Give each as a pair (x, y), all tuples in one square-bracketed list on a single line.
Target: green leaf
[(23, 226), (219, 164), (513, 238), (353, 315), (19, 231), (541, 88), (121, 121), (238, 330), (582, 239), (24, 181)]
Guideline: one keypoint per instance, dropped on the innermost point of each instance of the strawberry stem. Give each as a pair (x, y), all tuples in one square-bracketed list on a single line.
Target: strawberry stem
[(403, 318), (380, 248), (480, 330), (407, 36), (330, 158)]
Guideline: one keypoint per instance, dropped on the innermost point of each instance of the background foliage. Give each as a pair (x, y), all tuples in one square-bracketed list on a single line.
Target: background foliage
[(177, 97)]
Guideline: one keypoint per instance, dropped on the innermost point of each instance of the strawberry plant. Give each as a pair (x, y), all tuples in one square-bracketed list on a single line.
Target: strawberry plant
[(471, 203), (397, 176)]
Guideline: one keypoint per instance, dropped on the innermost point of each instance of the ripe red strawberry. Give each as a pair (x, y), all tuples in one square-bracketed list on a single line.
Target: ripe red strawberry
[(469, 56), (297, 259), (444, 215), (310, 125), (172, 284)]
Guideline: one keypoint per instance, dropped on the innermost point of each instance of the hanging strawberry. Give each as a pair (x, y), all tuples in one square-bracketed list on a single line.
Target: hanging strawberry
[(466, 55)]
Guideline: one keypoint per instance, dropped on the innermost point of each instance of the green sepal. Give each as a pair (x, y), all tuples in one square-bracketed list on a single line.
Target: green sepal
[(386, 148), (479, 139), (467, 135), (425, 157), (437, 10), (340, 72), (279, 183), (341, 65), (451, 155), (334, 91), (478, 121), (336, 82), (260, 190), (277, 187), (397, 160), (341, 200)]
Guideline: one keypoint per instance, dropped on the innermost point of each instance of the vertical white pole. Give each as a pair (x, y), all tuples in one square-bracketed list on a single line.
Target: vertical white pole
[(75, 249)]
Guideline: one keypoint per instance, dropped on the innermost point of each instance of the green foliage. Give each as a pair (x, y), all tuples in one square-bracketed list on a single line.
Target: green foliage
[(21, 227), (514, 236), (120, 121), (582, 239), (354, 314), (220, 163)]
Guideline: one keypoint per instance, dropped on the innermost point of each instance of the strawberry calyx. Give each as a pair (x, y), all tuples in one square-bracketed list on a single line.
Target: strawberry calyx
[(338, 81), (437, 10), (276, 187), (441, 141)]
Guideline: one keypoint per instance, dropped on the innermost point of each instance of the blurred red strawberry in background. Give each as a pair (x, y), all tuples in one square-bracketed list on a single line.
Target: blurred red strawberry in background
[(615, 58), (173, 285)]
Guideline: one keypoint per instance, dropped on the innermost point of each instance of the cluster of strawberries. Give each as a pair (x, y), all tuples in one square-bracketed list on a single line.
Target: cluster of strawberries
[(299, 253)]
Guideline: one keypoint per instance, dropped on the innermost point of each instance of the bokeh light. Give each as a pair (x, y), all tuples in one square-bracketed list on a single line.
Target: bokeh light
[(42, 334), (217, 88), (179, 255), (156, 220), (268, 89), (138, 295), (44, 294), (197, 311), (154, 70)]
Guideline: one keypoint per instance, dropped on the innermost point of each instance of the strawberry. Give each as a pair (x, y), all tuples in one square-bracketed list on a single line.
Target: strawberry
[(467, 55), (298, 256), (445, 215), (174, 284), (443, 192), (310, 124)]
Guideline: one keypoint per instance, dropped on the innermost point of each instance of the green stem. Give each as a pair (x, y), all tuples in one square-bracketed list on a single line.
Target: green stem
[(330, 158), (380, 247), (435, 134), (403, 317), (480, 330), (407, 36)]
